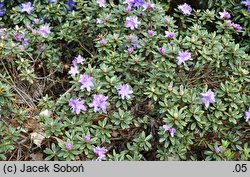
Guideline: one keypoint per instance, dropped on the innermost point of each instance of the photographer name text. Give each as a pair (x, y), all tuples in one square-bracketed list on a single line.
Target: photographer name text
[(45, 168)]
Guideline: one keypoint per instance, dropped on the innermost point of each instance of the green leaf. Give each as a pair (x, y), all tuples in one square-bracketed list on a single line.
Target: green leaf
[(193, 126), (48, 151)]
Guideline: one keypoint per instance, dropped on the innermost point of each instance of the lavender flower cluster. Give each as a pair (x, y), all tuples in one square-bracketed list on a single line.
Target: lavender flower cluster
[(133, 22), (98, 151), (226, 16), (87, 83), (1, 9), (247, 4)]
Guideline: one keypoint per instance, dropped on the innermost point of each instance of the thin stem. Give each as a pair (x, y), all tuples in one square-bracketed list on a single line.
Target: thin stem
[(82, 46), (17, 89)]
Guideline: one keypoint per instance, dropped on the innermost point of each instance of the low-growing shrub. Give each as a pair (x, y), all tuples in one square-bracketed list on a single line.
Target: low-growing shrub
[(135, 83)]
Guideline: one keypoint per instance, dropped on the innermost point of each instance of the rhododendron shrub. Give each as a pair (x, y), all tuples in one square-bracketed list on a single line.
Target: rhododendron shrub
[(124, 81)]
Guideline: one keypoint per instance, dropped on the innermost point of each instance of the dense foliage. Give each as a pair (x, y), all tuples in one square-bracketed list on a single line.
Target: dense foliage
[(124, 80)]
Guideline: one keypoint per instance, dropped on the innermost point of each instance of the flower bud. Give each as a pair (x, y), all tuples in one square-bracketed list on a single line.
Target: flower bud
[(217, 150), (162, 50), (130, 50), (150, 33), (36, 21), (176, 115), (68, 146), (170, 88), (181, 92), (87, 138)]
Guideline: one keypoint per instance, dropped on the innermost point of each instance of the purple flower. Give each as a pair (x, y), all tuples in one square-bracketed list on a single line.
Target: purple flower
[(73, 70), (78, 60), (100, 152), (130, 50), (207, 98), (124, 91), (237, 27), (150, 32), (52, 1), (26, 7), (228, 22), (87, 138), (36, 21), (70, 3), (44, 30), (138, 3), (68, 146), (185, 9), (25, 40), (133, 41), (34, 32), (18, 36), (134, 3), (99, 102), (224, 15), (132, 22), (172, 131), (247, 115), (148, 6), (130, 3), (247, 4), (183, 56), (162, 50), (217, 150), (29, 27), (42, 48), (102, 42), (1, 12), (101, 3), (1, 5), (86, 81), (128, 9), (99, 21), (74, 63), (169, 35), (106, 18), (77, 105), (21, 47), (165, 128)]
